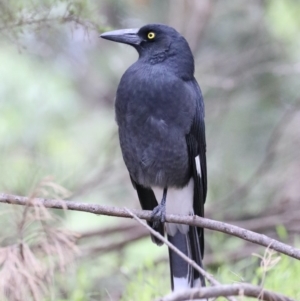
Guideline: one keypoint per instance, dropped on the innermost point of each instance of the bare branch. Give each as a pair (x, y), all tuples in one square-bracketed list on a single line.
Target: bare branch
[(100, 232), (269, 156), (211, 259), (217, 290), (115, 246), (242, 289), (172, 247), (253, 237), (191, 262)]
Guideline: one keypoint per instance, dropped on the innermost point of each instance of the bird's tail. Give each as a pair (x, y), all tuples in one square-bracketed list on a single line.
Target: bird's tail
[(184, 276)]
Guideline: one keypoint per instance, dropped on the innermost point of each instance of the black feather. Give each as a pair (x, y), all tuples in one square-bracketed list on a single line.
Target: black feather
[(148, 202), (160, 114)]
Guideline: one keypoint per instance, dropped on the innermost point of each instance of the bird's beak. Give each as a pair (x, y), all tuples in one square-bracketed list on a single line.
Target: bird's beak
[(126, 36)]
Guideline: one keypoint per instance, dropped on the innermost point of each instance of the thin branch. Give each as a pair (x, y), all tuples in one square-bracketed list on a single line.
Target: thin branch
[(172, 247), (115, 246), (211, 259), (100, 232), (265, 222), (226, 291), (191, 262), (253, 237), (269, 156), (45, 20)]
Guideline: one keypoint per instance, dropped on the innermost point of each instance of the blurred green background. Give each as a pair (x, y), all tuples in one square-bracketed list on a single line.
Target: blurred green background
[(58, 139)]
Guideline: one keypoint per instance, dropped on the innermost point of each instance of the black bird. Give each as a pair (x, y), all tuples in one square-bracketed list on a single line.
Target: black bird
[(160, 115)]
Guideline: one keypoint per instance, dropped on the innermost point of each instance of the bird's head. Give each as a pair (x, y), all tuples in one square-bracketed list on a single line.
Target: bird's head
[(156, 43)]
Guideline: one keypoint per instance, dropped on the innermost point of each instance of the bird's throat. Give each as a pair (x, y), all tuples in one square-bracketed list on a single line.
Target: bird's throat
[(158, 57)]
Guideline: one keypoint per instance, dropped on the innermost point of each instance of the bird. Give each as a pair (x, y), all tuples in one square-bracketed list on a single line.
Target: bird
[(159, 111)]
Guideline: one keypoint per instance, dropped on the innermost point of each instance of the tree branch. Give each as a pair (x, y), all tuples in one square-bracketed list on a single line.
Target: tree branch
[(191, 262), (121, 228), (244, 234), (172, 247), (217, 290), (89, 251), (226, 291)]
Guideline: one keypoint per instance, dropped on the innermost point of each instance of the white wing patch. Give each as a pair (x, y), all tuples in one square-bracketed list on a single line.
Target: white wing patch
[(198, 166)]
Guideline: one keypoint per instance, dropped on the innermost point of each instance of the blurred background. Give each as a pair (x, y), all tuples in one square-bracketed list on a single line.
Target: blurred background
[(58, 139)]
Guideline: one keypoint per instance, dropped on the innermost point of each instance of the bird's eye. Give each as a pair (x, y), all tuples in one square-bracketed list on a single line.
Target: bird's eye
[(151, 35)]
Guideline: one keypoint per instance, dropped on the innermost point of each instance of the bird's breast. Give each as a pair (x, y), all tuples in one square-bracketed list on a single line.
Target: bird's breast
[(154, 112), (154, 152)]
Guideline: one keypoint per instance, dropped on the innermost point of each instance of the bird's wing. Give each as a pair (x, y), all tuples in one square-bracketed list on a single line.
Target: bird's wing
[(197, 154), (192, 243), (148, 202)]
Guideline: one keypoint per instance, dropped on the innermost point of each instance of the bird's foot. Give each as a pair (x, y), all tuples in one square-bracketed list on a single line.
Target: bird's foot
[(158, 215)]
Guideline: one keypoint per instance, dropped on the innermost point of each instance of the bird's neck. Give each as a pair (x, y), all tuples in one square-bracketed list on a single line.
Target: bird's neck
[(158, 57), (179, 65), (154, 57)]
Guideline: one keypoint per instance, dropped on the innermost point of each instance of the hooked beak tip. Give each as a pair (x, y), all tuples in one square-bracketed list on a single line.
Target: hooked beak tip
[(126, 36)]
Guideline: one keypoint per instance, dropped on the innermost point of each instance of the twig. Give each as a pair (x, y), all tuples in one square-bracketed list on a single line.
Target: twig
[(253, 237), (191, 262), (172, 247), (44, 20), (262, 223), (211, 260), (269, 156), (115, 246), (226, 291), (100, 232)]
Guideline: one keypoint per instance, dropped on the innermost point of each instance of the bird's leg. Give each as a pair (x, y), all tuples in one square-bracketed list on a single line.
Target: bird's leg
[(159, 212)]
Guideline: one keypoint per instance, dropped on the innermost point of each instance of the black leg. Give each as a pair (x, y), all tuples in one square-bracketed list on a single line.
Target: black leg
[(159, 212)]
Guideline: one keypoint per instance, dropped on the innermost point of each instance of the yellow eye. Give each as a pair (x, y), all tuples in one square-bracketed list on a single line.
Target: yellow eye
[(151, 35)]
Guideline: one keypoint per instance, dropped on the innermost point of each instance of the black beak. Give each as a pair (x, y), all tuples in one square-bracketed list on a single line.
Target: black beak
[(126, 36)]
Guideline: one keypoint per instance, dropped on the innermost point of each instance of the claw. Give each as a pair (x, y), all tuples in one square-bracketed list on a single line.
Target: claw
[(158, 215)]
